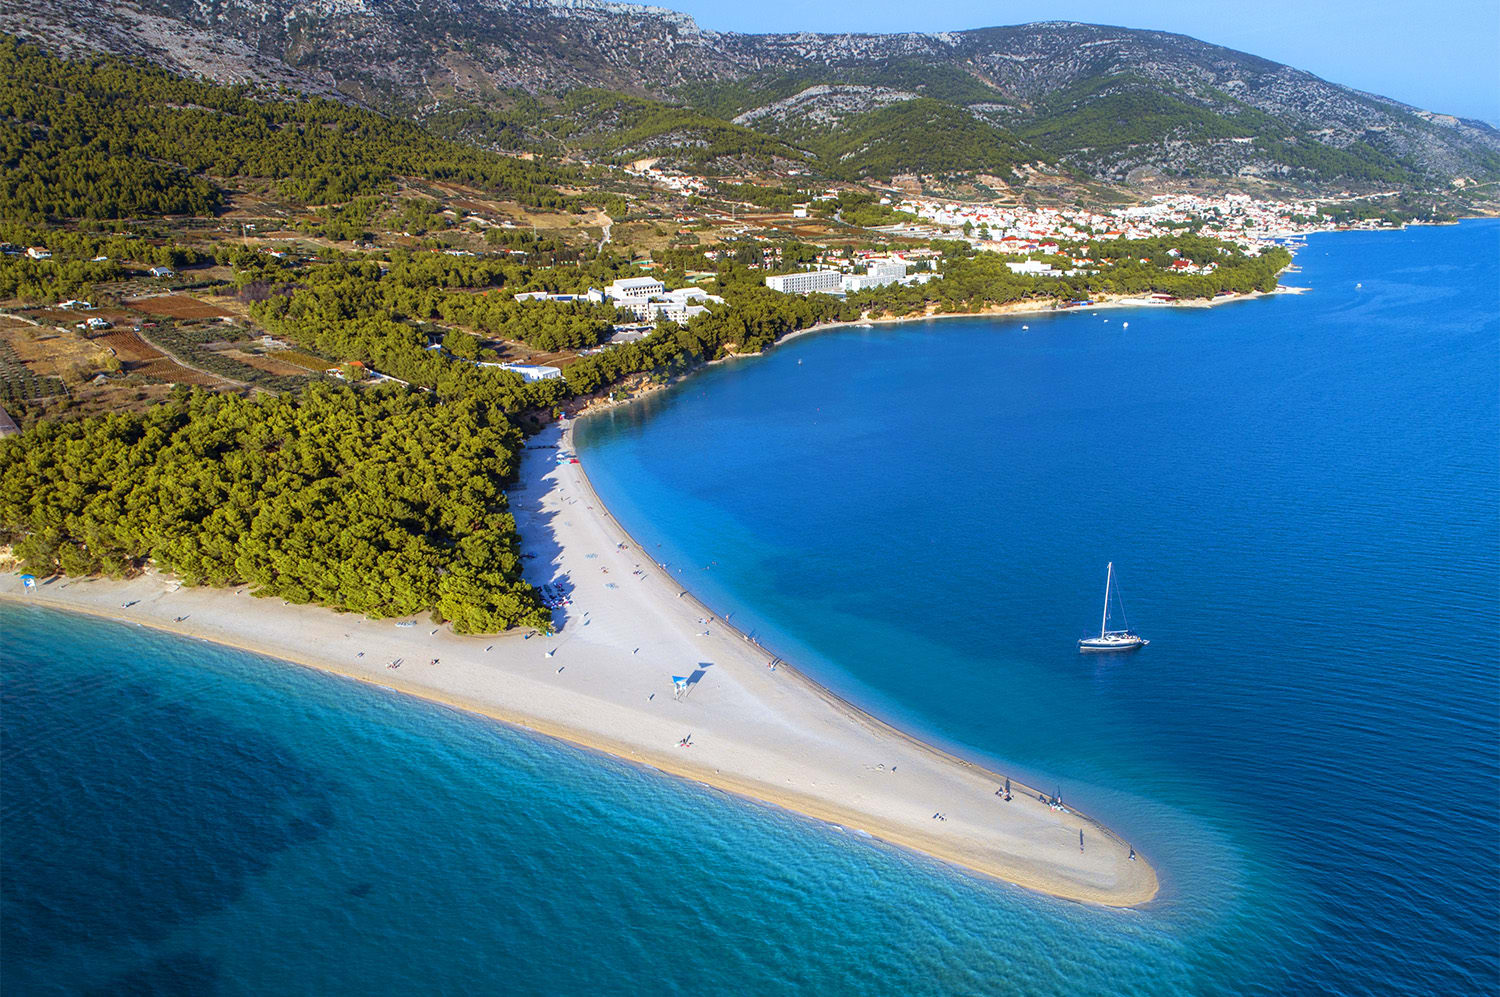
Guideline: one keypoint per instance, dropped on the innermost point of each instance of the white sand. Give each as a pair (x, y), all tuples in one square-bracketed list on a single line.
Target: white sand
[(772, 735)]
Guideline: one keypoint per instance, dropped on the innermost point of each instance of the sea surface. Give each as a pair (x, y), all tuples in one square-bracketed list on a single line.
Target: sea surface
[(1301, 496)]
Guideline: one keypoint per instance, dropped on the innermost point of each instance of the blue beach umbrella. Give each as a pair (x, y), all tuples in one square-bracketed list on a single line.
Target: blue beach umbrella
[(29, 581)]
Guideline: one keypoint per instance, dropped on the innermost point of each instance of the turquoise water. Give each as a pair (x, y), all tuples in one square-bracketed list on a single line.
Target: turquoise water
[(183, 818), (1302, 496)]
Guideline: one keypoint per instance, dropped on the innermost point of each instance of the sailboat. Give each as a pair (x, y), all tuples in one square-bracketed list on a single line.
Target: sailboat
[(1112, 640)]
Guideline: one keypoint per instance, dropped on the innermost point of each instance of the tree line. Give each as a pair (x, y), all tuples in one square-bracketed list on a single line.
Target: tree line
[(384, 502)]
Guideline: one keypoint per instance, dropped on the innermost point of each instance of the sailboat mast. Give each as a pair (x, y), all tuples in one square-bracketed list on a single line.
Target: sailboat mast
[(1109, 575)]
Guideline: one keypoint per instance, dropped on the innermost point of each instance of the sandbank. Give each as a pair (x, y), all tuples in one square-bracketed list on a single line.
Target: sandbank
[(604, 681)]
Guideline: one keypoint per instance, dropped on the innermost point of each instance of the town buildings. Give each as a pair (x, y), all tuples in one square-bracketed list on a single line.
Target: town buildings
[(1237, 218)]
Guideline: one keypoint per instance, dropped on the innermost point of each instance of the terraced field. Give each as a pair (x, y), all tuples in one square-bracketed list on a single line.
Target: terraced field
[(139, 357)]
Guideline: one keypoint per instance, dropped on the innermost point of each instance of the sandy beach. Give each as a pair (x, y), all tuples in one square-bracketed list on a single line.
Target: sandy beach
[(605, 681)]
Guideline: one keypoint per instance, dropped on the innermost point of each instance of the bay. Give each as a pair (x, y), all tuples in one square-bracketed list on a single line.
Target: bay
[(1301, 495)]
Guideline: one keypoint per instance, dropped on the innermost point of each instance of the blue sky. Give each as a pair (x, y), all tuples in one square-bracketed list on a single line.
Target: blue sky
[(1442, 56)]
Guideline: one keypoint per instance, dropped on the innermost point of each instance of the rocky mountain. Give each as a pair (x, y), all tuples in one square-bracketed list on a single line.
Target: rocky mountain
[(1112, 103)]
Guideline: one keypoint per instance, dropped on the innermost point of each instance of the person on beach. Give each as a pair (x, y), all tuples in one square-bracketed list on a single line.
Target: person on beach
[(1080, 839)]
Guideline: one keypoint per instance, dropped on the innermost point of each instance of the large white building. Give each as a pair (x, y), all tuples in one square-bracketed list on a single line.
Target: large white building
[(1034, 267), (878, 274), (807, 282), (593, 295), (528, 372), (634, 290), (679, 305), (688, 295)]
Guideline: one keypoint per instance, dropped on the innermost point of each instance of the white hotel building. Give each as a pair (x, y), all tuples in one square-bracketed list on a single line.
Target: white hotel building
[(634, 290), (649, 299), (808, 282)]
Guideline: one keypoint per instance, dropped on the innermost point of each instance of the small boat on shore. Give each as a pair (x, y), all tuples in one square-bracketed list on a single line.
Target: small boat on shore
[(1112, 640)]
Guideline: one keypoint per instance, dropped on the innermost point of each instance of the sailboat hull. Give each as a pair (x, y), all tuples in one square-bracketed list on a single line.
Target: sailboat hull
[(1112, 642)]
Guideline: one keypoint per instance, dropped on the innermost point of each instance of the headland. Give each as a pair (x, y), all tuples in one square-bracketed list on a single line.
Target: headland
[(605, 681)]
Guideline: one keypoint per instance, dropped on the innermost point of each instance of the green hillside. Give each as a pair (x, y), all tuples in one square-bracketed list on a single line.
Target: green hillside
[(1088, 124), (625, 127), (915, 136), (107, 138)]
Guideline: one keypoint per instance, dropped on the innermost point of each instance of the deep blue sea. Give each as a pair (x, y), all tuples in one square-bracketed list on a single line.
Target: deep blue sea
[(1302, 499)]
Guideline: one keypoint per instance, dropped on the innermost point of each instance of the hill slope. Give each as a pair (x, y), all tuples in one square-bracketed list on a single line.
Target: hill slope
[(101, 138), (1104, 101)]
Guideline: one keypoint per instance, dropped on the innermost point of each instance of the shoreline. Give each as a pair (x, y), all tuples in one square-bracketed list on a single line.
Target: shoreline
[(812, 685), (1007, 309), (995, 311), (772, 735), (1020, 308)]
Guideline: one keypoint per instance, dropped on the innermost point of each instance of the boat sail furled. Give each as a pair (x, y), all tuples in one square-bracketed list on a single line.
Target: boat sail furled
[(1112, 640)]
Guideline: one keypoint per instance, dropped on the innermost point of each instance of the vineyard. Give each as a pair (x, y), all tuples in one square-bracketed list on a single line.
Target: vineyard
[(19, 384)]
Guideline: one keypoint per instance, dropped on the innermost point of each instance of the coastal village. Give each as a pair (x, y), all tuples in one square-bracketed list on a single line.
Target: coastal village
[(909, 249), (1237, 218), (150, 324)]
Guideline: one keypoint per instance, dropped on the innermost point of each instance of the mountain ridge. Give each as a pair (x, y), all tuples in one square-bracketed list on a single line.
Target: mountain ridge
[(1058, 91)]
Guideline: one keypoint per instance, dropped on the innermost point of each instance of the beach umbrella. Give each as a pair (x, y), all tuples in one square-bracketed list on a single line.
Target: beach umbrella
[(29, 581)]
